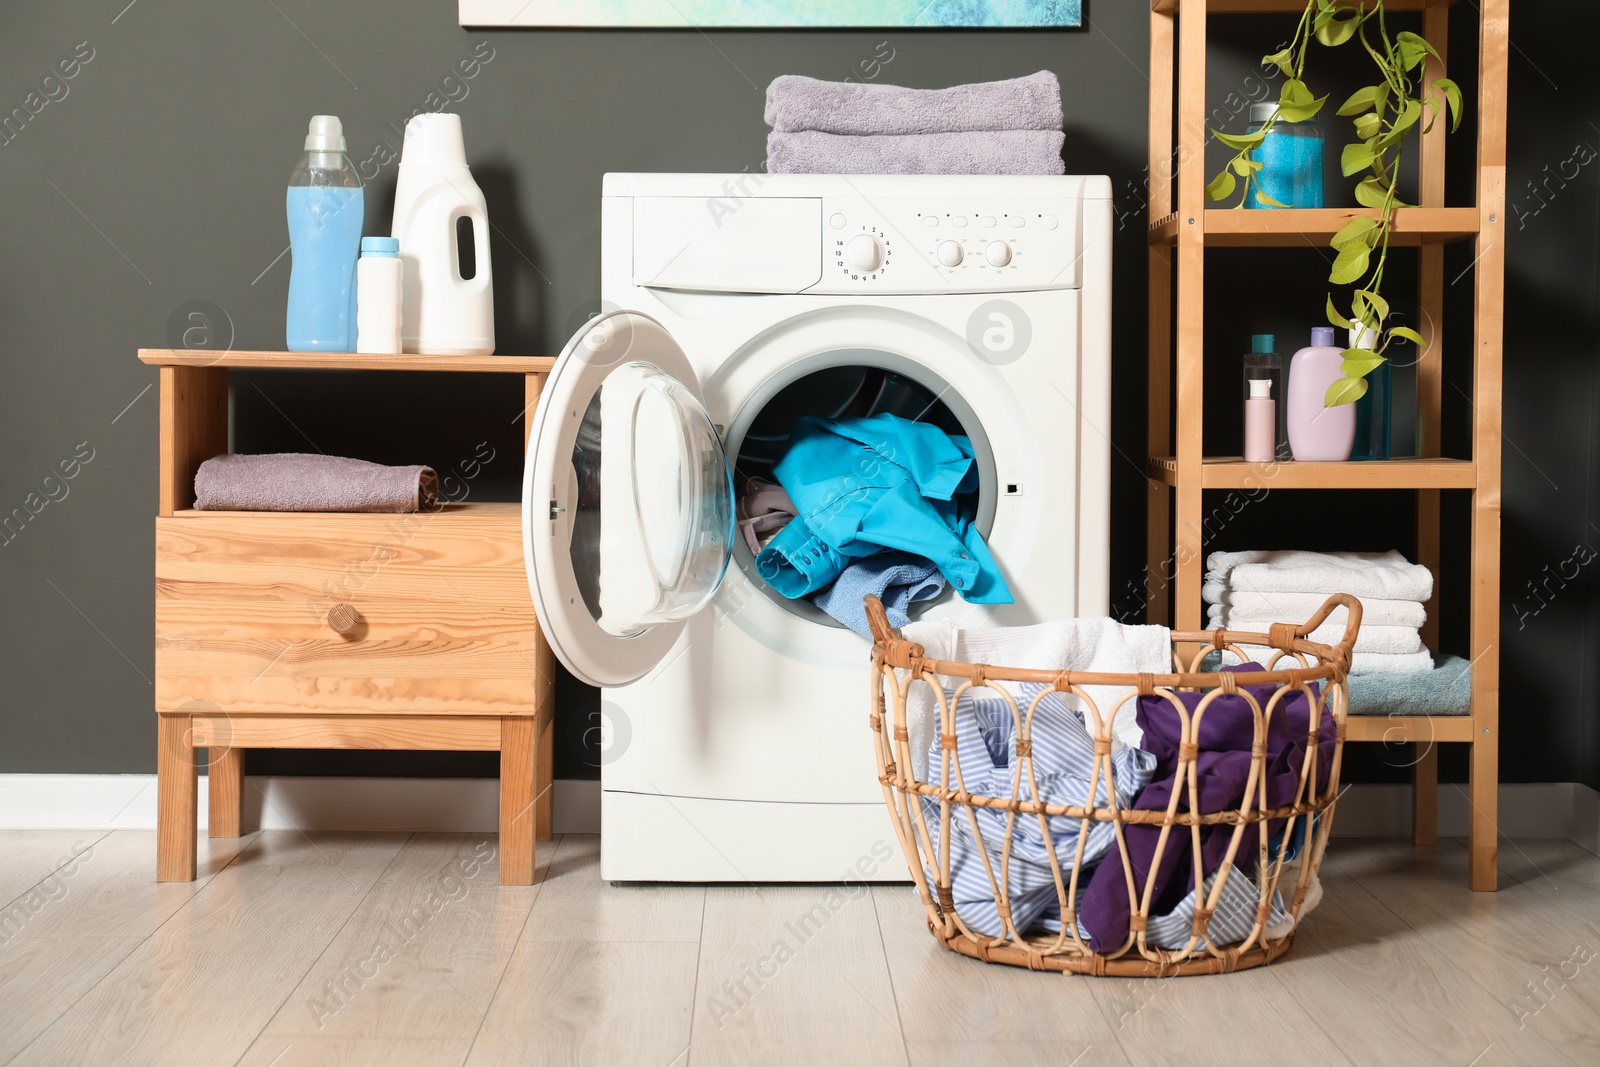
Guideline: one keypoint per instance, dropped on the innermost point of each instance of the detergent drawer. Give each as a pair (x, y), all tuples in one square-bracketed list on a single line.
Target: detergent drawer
[(734, 243)]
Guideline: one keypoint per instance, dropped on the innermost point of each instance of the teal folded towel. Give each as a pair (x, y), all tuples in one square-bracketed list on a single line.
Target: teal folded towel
[(1445, 690)]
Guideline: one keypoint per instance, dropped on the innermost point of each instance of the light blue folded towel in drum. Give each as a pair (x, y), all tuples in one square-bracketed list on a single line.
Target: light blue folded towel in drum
[(899, 579), (981, 152), (798, 103)]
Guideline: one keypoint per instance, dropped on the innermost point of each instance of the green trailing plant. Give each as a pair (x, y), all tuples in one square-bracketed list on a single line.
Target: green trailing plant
[(1383, 114)]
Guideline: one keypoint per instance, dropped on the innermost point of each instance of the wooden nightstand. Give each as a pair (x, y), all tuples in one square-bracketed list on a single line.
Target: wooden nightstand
[(316, 630)]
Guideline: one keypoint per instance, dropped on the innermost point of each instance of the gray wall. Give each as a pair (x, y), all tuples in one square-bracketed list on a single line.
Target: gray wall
[(157, 181)]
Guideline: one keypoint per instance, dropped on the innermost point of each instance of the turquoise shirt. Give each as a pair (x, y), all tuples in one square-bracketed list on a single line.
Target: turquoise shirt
[(863, 485)]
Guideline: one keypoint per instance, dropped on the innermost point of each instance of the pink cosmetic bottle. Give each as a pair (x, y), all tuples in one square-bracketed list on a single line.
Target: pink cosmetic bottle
[(1260, 422), (1317, 433)]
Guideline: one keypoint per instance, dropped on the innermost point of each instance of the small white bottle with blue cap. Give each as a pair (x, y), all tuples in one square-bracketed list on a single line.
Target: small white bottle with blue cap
[(379, 277)]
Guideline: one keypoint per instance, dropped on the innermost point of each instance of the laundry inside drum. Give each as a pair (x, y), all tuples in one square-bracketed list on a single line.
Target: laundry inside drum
[(838, 392)]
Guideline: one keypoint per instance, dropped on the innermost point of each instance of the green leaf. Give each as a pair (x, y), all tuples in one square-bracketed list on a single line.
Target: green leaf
[(1372, 192), (1357, 229), (1295, 102), (1363, 314), (1241, 142), (1336, 319), (1410, 112), (1345, 391), (1413, 49), (1358, 362), (1334, 31), (1221, 187), (1369, 126), (1283, 60), (1377, 303), (1263, 198), (1363, 99), (1452, 97), (1350, 264), (1356, 158), (1294, 91), (1408, 334)]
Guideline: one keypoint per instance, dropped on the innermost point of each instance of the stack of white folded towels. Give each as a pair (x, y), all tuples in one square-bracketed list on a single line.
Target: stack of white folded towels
[(1252, 590)]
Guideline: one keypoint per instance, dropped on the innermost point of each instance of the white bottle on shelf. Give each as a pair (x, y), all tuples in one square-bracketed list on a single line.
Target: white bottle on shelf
[(378, 289), (439, 212)]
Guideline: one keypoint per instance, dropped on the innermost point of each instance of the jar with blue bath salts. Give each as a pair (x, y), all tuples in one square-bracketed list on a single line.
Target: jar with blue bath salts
[(1291, 159)]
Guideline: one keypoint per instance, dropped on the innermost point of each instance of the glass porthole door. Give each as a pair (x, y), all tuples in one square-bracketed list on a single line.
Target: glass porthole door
[(627, 500)]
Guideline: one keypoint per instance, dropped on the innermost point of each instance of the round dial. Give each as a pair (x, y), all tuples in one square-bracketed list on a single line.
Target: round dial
[(950, 253), (998, 253), (863, 253)]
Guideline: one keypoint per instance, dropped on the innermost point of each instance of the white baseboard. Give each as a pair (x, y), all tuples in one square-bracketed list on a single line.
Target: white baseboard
[(1531, 809), (470, 805), (423, 805)]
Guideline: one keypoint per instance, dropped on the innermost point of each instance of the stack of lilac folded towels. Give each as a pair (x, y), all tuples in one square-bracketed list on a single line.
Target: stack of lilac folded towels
[(1003, 127)]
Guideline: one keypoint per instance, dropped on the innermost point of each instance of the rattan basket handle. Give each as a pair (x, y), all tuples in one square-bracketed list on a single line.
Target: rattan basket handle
[(878, 621), (1352, 624)]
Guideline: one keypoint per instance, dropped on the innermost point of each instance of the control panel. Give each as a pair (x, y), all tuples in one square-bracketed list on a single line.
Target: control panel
[(902, 245), (837, 234)]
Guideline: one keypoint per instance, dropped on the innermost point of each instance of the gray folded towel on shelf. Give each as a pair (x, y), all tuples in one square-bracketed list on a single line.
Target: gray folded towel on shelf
[(297, 481), (1446, 689), (987, 152), (796, 103)]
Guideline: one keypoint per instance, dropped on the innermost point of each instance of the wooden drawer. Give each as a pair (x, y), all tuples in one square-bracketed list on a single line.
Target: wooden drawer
[(445, 624)]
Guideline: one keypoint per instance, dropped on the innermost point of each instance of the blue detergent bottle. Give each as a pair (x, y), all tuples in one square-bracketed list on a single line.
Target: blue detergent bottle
[(326, 209)]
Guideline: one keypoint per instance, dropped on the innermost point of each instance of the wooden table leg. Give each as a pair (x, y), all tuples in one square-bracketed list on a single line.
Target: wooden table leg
[(1425, 794), (518, 798), (1483, 835), (177, 800), (225, 789)]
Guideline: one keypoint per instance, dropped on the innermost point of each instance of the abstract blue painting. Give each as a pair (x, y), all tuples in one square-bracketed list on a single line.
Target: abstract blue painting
[(712, 14)]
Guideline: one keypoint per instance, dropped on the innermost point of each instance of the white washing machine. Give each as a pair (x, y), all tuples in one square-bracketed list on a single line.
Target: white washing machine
[(737, 743)]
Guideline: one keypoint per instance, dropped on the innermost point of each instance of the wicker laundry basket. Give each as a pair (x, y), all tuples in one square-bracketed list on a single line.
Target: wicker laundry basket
[(926, 815)]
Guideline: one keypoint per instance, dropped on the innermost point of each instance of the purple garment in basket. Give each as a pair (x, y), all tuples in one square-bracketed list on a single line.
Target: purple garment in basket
[(1221, 774)]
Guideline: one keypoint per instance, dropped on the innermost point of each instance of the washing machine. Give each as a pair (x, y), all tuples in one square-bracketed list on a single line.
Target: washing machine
[(736, 741)]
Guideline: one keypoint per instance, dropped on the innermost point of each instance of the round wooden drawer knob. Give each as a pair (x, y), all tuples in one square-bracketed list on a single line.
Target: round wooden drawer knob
[(343, 618)]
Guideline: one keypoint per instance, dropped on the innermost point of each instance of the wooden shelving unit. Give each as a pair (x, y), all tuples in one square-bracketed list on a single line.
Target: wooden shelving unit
[(319, 630), (1181, 229)]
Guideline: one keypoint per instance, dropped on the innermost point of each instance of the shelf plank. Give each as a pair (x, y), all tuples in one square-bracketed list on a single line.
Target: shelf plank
[(1314, 227), (447, 513), (1231, 472), (179, 357), (1250, 7), (1394, 729)]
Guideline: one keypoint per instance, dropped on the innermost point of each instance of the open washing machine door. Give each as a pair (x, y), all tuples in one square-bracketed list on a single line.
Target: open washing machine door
[(627, 500)]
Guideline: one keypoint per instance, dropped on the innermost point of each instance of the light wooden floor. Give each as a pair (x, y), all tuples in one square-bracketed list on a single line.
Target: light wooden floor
[(394, 949)]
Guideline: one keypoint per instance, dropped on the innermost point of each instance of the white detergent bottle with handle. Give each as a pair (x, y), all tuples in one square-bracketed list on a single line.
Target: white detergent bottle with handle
[(442, 224)]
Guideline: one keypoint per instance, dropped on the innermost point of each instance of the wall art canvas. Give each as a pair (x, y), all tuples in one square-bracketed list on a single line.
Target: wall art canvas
[(751, 14)]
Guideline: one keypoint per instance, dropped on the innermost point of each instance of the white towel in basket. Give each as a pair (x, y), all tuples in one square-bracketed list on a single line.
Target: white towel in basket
[(1092, 644)]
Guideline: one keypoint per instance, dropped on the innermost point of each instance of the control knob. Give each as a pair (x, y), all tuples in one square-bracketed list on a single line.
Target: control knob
[(863, 253), (998, 253), (950, 253)]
